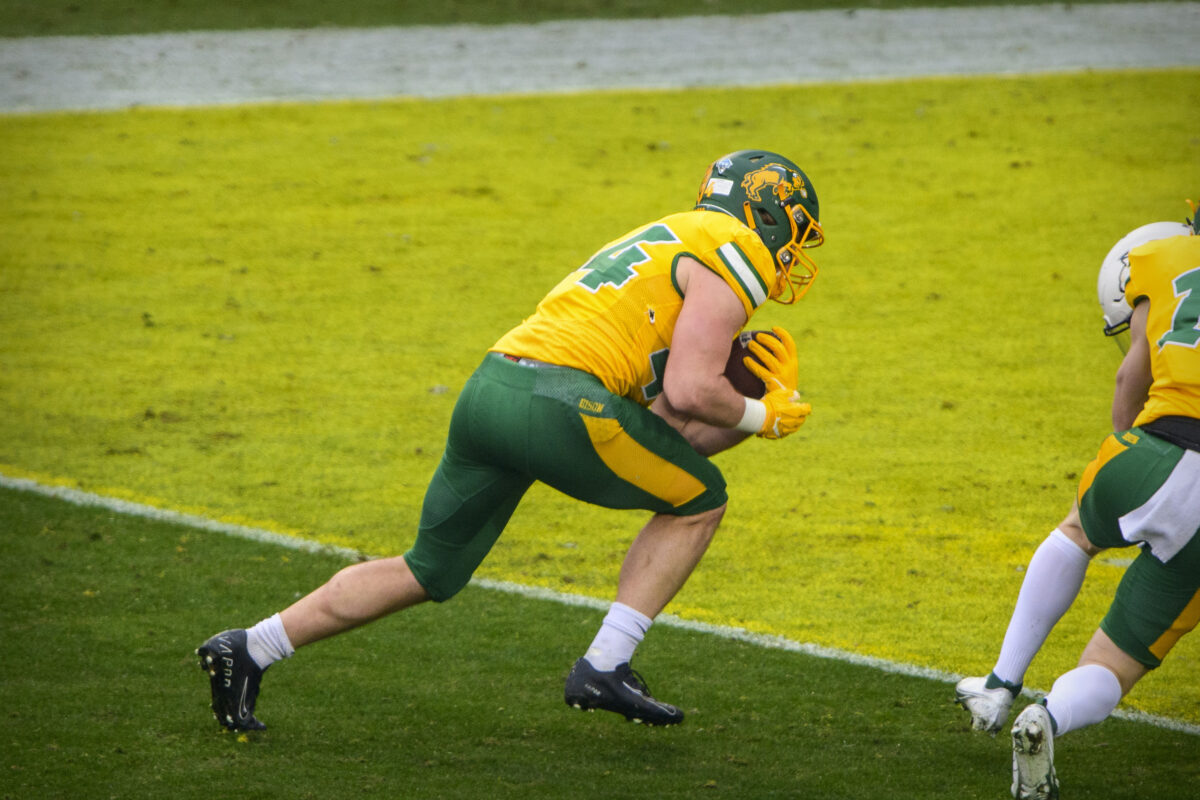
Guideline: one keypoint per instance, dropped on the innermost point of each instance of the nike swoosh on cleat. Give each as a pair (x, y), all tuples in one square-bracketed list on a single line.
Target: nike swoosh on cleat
[(243, 712), (667, 708)]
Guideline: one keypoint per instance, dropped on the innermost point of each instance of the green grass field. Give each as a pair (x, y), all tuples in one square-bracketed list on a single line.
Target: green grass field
[(252, 313), (103, 698), (263, 315)]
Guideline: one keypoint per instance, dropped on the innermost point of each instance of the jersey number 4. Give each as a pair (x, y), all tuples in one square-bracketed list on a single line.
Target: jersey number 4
[(614, 266)]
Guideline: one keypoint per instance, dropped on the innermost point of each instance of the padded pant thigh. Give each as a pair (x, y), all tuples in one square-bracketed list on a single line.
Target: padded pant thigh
[(466, 508), (513, 425), (625, 457), (1155, 605), (1143, 490)]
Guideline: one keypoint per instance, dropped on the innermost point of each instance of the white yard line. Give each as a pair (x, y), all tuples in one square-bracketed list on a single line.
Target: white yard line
[(218, 68), (81, 498)]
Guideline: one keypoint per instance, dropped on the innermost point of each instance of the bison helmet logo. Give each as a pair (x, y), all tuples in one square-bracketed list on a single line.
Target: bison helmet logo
[(781, 180)]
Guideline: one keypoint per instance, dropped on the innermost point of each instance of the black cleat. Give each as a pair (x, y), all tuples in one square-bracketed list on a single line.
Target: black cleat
[(621, 691), (234, 678)]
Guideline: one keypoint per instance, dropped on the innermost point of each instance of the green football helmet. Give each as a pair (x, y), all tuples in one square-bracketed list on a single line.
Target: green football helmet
[(776, 200)]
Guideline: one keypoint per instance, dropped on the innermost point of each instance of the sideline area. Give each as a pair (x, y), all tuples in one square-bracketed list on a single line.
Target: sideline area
[(222, 68)]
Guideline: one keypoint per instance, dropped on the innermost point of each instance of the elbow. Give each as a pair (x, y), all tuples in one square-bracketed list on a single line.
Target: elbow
[(687, 398)]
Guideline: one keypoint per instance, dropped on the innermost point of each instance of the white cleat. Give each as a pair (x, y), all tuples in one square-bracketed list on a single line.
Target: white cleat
[(1033, 755), (988, 707)]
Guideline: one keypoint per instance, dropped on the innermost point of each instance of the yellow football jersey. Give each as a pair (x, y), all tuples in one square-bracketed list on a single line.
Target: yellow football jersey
[(1166, 272), (614, 316)]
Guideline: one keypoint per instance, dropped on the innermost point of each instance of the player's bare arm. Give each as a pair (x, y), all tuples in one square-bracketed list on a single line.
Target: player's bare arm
[(694, 384), (1133, 376)]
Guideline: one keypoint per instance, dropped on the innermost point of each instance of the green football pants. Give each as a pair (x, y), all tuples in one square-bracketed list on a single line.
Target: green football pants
[(1141, 490), (515, 424)]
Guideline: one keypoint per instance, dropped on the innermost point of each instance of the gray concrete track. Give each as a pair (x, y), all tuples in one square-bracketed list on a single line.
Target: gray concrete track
[(206, 68)]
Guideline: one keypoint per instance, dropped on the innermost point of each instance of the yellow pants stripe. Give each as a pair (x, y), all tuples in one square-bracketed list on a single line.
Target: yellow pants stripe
[(1111, 448), (641, 467), (1185, 622)]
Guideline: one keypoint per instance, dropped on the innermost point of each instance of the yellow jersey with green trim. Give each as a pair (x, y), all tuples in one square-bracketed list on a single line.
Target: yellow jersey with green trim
[(1166, 272), (614, 316)]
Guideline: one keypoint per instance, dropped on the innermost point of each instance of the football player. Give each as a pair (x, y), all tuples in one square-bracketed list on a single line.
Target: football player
[(612, 391), (1143, 489)]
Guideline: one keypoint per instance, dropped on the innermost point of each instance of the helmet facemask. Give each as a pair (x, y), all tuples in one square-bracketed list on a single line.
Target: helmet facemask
[(806, 232)]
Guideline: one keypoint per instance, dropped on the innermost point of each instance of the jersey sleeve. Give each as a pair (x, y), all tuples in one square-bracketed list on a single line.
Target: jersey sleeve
[(1154, 265), (738, 255), (1137, 287)]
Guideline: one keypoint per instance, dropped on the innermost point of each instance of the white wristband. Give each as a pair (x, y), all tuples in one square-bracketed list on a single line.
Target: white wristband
[(754, 416)]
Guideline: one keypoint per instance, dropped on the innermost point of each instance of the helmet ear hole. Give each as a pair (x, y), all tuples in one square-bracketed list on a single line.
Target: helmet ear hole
[(765, 217)]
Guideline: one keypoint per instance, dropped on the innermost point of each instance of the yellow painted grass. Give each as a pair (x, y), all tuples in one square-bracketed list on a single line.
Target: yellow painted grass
[(264, 314)]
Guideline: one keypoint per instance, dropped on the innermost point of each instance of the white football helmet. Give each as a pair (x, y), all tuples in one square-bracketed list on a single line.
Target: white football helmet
[(1114, 273)]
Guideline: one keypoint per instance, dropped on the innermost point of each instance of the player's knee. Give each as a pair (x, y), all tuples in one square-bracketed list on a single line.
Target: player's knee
[(1073, 530), (1104, 652), (718, 513), (441, 575), (705, 523)]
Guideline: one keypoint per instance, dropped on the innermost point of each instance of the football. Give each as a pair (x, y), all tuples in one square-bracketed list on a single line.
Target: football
[(736, 373)]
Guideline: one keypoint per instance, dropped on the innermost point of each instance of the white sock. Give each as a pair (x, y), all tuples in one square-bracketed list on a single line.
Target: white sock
[(268, 642), (619, 635), (1051, 583), (1084, 696)]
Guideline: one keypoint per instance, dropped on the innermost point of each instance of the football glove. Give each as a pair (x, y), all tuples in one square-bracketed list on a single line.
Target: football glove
[(778, 369), (776, 364)]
